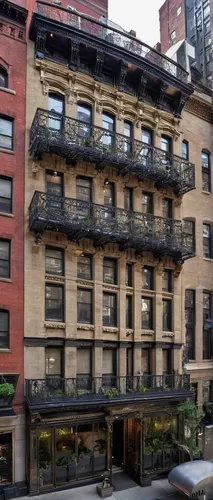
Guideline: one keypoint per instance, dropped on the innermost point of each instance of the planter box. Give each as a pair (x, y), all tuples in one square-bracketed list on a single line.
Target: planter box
[(146, 481), (104, 492)]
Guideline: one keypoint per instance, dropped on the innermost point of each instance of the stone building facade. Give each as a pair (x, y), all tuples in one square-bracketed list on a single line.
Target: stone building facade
[(12, 159), (104, 246)]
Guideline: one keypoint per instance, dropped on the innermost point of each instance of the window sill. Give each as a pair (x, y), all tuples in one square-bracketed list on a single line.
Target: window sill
[(168, 334), (4, 214), (9, 151), (2, 349), (55, 324), (148, 333), (8, 91), (6, 280), (84, 326), (53, 277), (206, 192), (208, 259)]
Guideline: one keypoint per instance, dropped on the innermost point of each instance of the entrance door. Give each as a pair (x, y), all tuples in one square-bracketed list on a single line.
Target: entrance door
[(118, 443)]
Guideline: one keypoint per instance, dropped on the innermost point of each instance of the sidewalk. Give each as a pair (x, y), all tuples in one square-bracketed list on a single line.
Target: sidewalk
[(160, 489)]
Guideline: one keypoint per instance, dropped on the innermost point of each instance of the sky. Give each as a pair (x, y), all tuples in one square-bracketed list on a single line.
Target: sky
[(140, 15)]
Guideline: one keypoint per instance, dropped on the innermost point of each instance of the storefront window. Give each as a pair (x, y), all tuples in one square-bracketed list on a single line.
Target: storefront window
[(45, 458), (159, 451), (6, 471)]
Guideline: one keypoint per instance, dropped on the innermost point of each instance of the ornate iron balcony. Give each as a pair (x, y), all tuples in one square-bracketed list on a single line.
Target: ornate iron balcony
[(102, 389), (103, 224), (111, 35), (74, 140)]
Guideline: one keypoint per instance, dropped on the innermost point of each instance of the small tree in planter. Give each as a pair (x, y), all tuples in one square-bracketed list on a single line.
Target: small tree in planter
[(105, 489), (6, 393)]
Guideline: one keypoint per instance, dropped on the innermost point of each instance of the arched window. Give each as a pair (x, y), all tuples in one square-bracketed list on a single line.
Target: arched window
[(84, 113), (56, 107), (3, 78), (108, 123)]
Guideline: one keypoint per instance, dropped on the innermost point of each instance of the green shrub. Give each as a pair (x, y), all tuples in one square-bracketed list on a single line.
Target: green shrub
[(6, 390)]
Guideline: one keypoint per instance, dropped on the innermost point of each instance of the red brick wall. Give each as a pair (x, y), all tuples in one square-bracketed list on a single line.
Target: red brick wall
[(169, 21), (95, 8), (13, 54)]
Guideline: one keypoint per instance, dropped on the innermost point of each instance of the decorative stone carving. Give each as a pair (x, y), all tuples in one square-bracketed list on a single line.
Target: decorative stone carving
[(109, 329), (168, 334), (147, 333), (55, 279), (85, 327), (99, 63), (159, 270), (35, 168), (178, 270), (50, 324), (85, 283), (129, 332)]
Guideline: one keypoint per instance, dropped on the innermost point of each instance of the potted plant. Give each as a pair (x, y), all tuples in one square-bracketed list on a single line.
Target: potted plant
[(6, 393), (105, 489)]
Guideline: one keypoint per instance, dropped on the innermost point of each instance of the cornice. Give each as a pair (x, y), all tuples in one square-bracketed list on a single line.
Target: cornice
[(13, 12), (200, 108)]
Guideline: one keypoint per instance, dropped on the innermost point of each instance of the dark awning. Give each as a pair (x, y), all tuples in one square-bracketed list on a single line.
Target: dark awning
[(195, 479)]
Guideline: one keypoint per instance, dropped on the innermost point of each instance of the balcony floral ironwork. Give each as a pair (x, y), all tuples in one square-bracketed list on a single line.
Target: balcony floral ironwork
[(75, 140), (102, 389), (104, 31), (103, 224)]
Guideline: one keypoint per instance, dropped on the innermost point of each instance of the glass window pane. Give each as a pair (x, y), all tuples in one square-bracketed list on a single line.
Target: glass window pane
[(6, 127), (3, 78), (65, 454), (54, 303), (5, 142), (84, 189), (84, 361), (4, 329), (146, 313), (127, 129), (145, 361), (108, 362), (205, 160), (129, 275), (129, 311), (147, 203), (109, 309), (54, 185), (147, 278), (128, 198), (84, 267), (165, 144), (53, 361), (54, 261), (109, 271), (146, 136), (167, 208), (205, 181), (56, 104), (167, 315), (45, 456), (109, 195), (167, 281), (84, 306), (84, 113), (5, 188), (108, 122), (4, 259)]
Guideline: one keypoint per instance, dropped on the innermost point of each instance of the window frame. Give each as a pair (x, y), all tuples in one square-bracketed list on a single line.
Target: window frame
[(129, 312), (114, 323), (9, 258), (11, 120), (190, 326), (170, 281), (79, 320), (9, 179), (150, 204), (193, 235), (148, 351), (84, 375), (185, 143), (56, 320), (173, 38), (54, 375), (206, 170), (129, 139), (7, 344), (151, 316), (169, 314), (90, 257), (130, 191), (151, 270), (4, 73), (129, 274), (209, 239), (49, 247), (169, 203), (114, 267), (207, 332)]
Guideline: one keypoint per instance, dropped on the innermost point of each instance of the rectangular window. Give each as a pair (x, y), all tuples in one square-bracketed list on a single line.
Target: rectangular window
[(128, 311), (167, 281), (4, 259), (84, 114), (56, 109), (129, 275), (173, 37), (207, 332), (146, 136), (147, 278), (53, 359), (5, 195), (6, 133), (84, 306), (109, 367), (207, 241), (110, 309), (146, 313), (166, 144), (84, 189), (4, 329), (84, 267), (167, 362), (146, 361), (84, 368), (147, 203), (54, 261), (167, 208), (128, 135), (167, 315), (178, 10), (54, 187), (110, 271), (54, 303), (109, 194), (206, 391), (189, 235), (108, 123), (128, 205), (129, 361), (185, 150), (190, 323), (206, 177)]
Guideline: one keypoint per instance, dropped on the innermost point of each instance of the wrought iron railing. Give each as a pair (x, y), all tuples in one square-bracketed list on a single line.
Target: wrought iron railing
[(111, 35), (85, 388), (103, 224), (76, 141)]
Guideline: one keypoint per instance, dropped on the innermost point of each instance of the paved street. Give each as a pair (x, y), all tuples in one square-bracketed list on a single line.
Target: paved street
[(159, 490)]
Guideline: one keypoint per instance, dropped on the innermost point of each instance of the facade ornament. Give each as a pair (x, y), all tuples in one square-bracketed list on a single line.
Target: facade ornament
[(142, 85), (178, 270), (35, 168), (168, 334), (99, 63), (121, 79), (147, 333), (45, 86), (159, 270), (37, 242), (74, 55), (50, 324), (106, 329), (85, 327), (54, 279)]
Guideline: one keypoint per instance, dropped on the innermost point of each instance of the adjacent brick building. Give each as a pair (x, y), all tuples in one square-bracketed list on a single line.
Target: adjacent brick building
[(12, 144)]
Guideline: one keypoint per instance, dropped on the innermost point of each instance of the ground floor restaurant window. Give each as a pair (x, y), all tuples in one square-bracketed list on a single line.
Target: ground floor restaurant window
[(69, 453), (6, 471)]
